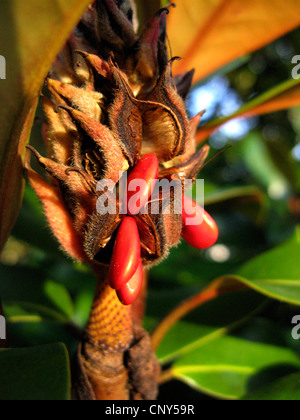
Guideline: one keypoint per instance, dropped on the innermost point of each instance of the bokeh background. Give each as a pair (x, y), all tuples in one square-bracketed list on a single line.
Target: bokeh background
[(252, 190)]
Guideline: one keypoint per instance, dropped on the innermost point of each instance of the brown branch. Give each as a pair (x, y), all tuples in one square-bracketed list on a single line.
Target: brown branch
[(166, 376), (115, 360)]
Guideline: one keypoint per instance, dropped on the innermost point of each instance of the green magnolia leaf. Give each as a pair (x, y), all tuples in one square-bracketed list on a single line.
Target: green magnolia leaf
[(226, 367), (276, 273), (36, 374), (32, 34), (205, 323), (285, 389), (60, 297), (83, 304)]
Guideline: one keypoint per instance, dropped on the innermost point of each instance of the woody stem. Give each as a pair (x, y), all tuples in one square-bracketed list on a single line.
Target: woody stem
[(110, 326), (115, 360)]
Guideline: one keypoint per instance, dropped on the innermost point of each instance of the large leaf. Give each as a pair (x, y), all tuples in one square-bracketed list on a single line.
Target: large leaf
[(276, 273), (285, 95), (211, 34), (285, 389), (32, 34), (37, 373), (226, 367), (205, 323), (60, 297)]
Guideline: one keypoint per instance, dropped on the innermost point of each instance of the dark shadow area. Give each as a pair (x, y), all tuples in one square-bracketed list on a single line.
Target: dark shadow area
[(267, 376), (178, 391)]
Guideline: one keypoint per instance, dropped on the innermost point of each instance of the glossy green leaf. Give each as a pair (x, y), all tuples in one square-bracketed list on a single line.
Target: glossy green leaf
[(83, 304), (36, 374), (60, 297), (32, 34), (205, 323), (276, 273), (226, 367), (285, 389)]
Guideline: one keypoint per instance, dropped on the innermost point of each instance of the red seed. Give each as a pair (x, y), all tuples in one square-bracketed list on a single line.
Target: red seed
[(126, 254), (129, 293), (204, 232), (146, 170)]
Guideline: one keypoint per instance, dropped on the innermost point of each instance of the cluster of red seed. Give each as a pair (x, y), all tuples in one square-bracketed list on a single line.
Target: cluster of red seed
[(126, 268)]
